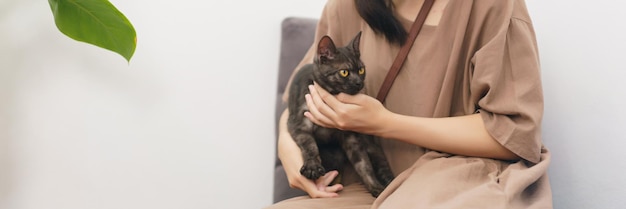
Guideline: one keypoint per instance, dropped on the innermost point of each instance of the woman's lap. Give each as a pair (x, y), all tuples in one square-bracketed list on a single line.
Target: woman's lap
[(438, 180), (353, 196)]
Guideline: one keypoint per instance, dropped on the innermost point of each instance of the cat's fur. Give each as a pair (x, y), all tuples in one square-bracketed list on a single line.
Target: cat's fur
[(325, 149)]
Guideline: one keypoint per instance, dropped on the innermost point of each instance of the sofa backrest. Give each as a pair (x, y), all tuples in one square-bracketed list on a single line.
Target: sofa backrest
[(297, 36)]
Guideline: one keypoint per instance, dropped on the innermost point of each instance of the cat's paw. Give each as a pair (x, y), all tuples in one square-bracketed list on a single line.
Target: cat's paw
[(375, 191), (386, 179), (312, 170)]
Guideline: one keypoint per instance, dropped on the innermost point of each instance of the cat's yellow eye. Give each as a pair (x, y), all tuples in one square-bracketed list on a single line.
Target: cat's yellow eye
[(361, 71), (344, 73)]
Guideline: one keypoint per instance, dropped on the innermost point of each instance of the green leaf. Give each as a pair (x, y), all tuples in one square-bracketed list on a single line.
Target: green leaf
[(97, 22)]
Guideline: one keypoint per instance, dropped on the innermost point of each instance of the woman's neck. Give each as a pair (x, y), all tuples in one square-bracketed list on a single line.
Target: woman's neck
[(408, 9)]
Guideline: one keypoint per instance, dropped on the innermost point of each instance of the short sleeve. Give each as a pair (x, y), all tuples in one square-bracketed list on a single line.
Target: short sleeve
[(506, 84)]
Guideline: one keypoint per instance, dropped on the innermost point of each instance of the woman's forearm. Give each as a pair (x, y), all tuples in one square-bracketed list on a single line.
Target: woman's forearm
[(461, 135), (288, 151)]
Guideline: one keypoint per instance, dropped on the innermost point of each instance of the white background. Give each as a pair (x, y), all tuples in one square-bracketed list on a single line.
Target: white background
[(583, 49), (189, 122)]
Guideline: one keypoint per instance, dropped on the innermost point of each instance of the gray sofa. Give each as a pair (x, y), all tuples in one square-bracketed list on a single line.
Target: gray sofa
[(297, 35)]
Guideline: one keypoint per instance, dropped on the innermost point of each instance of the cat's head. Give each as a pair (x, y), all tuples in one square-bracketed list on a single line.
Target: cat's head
[(339, 69)]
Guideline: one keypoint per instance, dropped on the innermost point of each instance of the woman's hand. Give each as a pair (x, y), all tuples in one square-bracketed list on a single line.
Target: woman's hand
[(359, 113), (316, 189)]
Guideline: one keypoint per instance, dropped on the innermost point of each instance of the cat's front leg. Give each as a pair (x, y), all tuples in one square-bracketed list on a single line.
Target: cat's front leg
[(312, 167)]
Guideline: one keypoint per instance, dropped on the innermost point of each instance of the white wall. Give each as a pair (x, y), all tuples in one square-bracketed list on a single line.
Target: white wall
[(187, 124), (80, 128), (583, 48)]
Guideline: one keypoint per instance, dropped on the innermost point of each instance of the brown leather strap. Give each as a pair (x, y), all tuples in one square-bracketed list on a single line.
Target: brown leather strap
[(404, 51)]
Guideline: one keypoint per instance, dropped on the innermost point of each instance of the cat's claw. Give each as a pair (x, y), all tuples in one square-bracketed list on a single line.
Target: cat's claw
[(312, 171)]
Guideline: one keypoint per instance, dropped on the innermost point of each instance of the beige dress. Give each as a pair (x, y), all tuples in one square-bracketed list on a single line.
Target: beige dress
[(481, 58)]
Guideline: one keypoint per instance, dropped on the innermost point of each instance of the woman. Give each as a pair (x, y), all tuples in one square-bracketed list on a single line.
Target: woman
[(461, 123)]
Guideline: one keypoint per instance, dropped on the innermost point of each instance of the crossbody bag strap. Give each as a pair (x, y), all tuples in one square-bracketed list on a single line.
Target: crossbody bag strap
[(404, 51)]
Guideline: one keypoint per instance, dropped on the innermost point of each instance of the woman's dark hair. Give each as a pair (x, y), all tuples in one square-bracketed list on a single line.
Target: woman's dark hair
[(379, 16)]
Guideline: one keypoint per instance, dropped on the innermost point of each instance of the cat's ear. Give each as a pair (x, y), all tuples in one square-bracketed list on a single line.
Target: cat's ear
[(354, 44), (326, 49)]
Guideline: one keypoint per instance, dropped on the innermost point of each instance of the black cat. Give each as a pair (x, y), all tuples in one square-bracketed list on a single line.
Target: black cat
[(336, 69)]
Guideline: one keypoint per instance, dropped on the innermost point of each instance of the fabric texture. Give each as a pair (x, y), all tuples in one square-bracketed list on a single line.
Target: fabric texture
[(481, 57)]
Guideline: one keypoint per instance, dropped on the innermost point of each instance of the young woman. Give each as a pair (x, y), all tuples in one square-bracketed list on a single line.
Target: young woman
[(461, 124)]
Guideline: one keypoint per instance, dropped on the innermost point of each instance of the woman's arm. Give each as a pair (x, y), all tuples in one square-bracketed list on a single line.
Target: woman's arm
[(291, 157), (462, 135)]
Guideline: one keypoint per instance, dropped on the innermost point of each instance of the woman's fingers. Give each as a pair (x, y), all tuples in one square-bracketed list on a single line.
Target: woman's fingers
[(324, 181), (324, 96), (320, 188), (314, 115), (322, 114), (323, 100), (334, 188), (342, 111)]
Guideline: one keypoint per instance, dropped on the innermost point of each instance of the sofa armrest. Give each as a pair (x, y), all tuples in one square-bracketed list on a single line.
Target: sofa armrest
[(297, 36)]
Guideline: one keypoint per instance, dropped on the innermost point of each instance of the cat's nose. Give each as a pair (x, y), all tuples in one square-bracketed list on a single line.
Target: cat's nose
[(359, 85)]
